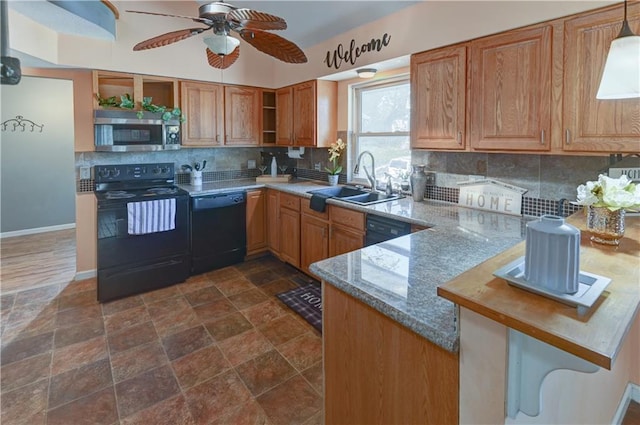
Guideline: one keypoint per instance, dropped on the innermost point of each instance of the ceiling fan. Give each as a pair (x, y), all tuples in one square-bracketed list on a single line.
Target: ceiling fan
[(223, 49)]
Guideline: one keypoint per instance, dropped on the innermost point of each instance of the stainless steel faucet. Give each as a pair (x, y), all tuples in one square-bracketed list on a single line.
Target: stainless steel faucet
[(371, 177)]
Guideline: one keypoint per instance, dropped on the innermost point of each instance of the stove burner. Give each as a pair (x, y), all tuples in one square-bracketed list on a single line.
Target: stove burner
[(119, 194), (163, 190)]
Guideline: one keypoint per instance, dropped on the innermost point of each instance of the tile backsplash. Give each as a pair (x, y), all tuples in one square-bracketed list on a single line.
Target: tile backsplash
[(549, 180)]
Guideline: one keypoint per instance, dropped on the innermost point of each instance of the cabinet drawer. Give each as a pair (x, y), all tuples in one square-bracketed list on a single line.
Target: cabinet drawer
[(289, 201), (346, 217), (308, 211)]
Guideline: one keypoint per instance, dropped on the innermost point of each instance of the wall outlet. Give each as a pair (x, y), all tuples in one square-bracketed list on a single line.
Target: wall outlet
[(85, 173), (318, 166), (251, 164)]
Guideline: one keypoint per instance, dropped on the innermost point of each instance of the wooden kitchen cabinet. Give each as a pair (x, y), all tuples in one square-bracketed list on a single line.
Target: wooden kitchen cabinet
[(391, 376), (290, 228), (592, 125), (256, 221), (242, 115), (306, 114), (347, 230), (273, 221), (314, 241), (510, 89), (203, 106), (438, 98), (163, 91)]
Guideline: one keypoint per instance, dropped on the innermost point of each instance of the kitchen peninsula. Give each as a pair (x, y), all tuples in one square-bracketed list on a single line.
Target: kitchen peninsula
[(395, 351)]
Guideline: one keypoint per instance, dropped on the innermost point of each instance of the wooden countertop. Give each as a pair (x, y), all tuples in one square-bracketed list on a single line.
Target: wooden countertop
[(596, 336)]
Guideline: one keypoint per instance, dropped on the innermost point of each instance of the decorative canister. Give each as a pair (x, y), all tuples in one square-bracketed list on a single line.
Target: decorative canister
[(605, 226), (552, 254), (418, 182)]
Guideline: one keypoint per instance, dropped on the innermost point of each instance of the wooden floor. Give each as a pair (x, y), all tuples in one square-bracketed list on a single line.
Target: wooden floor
[(35, 260), (632, 417)]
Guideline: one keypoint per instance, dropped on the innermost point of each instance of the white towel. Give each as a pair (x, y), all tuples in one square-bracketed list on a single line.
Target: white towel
[(151, 216)]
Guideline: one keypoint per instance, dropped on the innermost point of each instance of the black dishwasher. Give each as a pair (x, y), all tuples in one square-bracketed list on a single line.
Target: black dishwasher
[(218, 231), (380, 229)]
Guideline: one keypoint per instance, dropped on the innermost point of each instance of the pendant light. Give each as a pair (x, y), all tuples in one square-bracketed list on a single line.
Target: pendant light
[(621, 76)]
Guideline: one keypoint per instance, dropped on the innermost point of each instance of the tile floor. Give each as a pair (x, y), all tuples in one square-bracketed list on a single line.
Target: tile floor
[(217, 349)]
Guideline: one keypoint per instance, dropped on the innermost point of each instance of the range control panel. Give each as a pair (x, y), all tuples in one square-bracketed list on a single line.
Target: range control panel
[(132, 172)]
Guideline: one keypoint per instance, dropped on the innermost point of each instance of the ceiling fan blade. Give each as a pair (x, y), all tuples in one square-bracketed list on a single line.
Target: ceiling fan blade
[(222, 61), (255, 20), (168, 38), (193, 18), (274, 45)]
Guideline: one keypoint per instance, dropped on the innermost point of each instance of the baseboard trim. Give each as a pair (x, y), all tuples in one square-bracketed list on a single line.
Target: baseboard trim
[(37, 230), (632, 392), (86, 274)]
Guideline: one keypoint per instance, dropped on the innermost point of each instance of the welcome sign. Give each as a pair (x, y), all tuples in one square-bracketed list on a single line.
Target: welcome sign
[(491, 195), (350, 54)]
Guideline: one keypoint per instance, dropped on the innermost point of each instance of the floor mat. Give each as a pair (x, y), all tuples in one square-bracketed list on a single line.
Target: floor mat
[(307, 302)]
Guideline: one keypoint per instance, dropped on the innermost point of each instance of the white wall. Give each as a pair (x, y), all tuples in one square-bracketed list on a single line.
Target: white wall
[(423, 26), (37, 182)]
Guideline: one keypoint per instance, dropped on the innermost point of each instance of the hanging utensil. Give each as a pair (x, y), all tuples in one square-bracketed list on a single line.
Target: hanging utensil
[(204, 164)]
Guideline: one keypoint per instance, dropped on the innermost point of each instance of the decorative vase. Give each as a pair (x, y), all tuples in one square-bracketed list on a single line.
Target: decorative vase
[(552, 254), (333, 179), (606, 226), (418, 182)]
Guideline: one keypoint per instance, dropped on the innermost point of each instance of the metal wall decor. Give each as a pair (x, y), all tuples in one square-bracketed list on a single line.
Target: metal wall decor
[(353, 52), (20, 122)]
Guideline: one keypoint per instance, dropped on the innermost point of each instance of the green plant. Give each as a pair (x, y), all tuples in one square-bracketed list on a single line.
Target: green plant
[(126, 102)]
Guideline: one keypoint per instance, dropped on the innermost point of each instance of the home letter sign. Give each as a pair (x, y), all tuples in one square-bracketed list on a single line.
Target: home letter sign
[(491, 195)]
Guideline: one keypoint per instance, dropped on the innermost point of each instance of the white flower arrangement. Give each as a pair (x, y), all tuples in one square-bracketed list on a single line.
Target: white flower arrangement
[(335, 150), (611, 193)]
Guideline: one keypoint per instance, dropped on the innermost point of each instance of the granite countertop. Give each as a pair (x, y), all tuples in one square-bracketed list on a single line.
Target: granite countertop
[(399, 278)]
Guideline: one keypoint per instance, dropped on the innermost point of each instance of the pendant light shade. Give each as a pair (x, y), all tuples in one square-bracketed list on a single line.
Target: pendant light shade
[(621, 76), (221, 44)]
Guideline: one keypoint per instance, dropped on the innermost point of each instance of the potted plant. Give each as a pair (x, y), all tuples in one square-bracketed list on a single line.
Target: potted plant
[(126, 102), (335, 151), (606, 200)]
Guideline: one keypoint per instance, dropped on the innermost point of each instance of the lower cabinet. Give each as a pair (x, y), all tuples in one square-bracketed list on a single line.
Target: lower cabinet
[(273, 221), (347, 230), (314, 236), (256, 222), (393, 376), (290, 229)]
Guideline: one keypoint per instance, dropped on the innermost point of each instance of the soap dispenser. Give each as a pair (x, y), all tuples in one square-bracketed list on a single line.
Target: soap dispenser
[(274, 167)]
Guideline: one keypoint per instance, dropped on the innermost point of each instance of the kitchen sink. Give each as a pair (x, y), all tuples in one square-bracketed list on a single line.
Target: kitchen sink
[(339, 191), (369, 198), (355, 195)]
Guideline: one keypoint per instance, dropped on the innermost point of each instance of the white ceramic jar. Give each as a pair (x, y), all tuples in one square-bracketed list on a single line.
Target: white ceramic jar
[(552, 255)]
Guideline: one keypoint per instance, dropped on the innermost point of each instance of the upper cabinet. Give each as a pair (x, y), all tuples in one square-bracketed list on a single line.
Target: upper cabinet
[(591, 124), (220, 115), (306, 114), (242, 114), (438, 93), (510, 91), (203, 106), (162, 91)]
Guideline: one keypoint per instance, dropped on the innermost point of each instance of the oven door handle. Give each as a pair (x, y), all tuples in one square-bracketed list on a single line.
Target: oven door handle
[(130, 270)]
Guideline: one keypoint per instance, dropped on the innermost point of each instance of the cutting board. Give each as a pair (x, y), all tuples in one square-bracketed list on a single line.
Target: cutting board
[(280, 178)]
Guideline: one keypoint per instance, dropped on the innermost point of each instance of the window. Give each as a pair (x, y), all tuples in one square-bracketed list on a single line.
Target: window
[(382, 111)]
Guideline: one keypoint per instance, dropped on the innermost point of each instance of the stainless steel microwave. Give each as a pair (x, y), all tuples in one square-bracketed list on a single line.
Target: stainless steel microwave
[(123, 131)]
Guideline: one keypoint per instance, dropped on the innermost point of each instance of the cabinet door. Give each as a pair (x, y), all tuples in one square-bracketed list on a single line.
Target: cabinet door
[(438, 93), (314, 241), (273, 221), (290, 236), (284, 116), (203, 106), (304, 111), (242, 115), (344, 240), (511, 91), (590, 124), (256, 221)]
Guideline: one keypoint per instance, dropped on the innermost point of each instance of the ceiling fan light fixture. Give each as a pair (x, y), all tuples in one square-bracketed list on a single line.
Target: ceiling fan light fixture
[(221, 44), (366, 72), (621, 75)]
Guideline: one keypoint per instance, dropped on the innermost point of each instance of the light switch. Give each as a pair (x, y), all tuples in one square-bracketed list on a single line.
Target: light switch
[(85, 173)]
